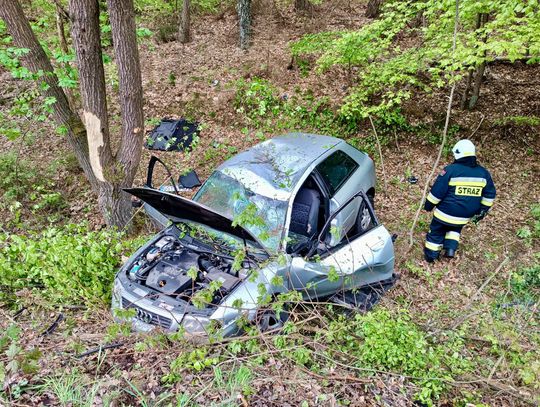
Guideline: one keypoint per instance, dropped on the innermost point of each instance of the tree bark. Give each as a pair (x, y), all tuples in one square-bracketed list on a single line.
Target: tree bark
[(107, 173), (373, 9), (37, 61), (122, 18), (85, 33), (61, 32), (478, 79), (303, 5), (479, 75), (468, 84), (244, 18), (184, 29)]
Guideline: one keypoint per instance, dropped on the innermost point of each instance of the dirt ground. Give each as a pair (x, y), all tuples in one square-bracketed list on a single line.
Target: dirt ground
[(197, 79)]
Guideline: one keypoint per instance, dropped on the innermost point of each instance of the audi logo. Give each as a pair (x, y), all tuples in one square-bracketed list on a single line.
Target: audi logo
[(144, 316)]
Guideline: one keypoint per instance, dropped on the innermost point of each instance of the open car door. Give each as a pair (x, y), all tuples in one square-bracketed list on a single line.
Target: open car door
[(363, 257)]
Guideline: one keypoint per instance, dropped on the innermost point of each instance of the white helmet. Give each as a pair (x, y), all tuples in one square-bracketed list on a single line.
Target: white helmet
[(464, 148)]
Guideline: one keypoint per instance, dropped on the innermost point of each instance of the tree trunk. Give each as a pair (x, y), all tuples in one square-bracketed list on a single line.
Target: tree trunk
[(107, 173), (471, 73), (373, 9), (122, 17), (244, 18), (478, 78), (468, 84), (184, 29), (303, 5), (85, 33), (479, 75), (37, 61), (115, 205), (61, 32)]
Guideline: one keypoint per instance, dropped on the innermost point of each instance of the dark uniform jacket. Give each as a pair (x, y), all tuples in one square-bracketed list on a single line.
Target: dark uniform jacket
[(462, 190)]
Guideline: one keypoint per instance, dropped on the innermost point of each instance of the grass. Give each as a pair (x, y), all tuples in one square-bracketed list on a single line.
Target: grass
[(71, 389)]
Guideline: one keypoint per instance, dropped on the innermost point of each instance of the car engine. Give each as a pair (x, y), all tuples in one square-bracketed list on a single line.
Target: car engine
[(173, 268)]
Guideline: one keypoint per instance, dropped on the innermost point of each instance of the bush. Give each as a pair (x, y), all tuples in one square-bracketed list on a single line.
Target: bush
[(67, 265), (381, 341), (525, 283), (263, 107), (23, 186)]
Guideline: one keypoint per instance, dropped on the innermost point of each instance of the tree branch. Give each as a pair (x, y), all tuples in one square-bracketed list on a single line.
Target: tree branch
[(380, 154), (445, 133)]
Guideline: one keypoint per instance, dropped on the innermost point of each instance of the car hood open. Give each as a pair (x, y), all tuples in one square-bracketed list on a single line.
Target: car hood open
[(175, 208)]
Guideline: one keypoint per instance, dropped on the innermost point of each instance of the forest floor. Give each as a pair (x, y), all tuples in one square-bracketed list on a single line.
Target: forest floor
[(470, 294)]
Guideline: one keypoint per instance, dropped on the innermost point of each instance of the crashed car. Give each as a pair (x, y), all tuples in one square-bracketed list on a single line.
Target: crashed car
[(291, 213)]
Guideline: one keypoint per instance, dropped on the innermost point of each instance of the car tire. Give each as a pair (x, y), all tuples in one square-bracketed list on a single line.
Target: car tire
[(267, 320), (364, 221), (371, 197)]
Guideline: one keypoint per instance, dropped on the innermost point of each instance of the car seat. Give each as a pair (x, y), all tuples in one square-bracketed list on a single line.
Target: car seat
[(305, 212)]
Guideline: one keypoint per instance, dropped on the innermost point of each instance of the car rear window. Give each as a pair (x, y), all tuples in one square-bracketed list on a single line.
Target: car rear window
[(336, 169)]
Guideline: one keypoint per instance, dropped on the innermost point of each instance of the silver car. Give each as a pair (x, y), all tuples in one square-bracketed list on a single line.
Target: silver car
[(292, 213)]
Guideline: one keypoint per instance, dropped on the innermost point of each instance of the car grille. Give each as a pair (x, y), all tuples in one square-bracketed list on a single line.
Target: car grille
[(147, 316)]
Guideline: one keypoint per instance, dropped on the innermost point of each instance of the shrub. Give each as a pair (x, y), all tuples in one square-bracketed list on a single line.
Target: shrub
[(381, 341), (22, 185), (263, 107), (257, 98), (525, 283), (71, 264)]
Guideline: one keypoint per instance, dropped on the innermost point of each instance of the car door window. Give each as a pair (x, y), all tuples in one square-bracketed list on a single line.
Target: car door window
[(365, 220), (336, 169)]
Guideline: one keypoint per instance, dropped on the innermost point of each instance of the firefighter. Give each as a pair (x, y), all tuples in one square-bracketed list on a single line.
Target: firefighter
[(463, 192)]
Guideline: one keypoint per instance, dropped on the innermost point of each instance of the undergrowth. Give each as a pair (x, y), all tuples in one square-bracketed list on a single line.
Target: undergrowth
[(68, 265), (260, 102), (22, 186)]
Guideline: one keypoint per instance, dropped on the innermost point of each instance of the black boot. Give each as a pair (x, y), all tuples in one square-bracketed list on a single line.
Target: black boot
[(450, 253), (430, 259)]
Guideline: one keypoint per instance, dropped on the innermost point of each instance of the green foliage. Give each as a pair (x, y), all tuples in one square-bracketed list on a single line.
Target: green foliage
[(257, 98), (22, 185), (391, 68), (196, 360), (16, 359), (525, 283), (531, 231), (263, 106), (518, 121), (69, 265), (234, 382), (381, 341)]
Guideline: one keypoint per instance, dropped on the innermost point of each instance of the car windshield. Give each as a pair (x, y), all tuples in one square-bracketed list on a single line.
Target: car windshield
[(263, 217)]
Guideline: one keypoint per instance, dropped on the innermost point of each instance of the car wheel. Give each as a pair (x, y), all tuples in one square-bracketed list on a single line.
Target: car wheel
[(268, 321), (371, 197), (364, 221)]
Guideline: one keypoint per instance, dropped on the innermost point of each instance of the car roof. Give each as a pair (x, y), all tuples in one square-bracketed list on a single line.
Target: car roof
[(274, 167)]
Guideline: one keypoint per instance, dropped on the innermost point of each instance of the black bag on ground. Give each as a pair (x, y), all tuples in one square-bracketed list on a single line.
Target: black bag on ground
[(172, 135)]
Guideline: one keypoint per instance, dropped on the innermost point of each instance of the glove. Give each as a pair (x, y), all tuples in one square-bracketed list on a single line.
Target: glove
[(428, 206), (479, 216)]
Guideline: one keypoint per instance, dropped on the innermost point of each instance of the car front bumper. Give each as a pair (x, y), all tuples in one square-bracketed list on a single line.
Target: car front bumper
[(162, 313)]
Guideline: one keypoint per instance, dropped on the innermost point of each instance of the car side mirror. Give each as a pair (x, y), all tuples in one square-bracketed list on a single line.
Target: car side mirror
[(189, 180)]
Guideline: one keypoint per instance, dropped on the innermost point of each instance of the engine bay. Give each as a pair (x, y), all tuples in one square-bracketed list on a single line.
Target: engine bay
[(180, 269)]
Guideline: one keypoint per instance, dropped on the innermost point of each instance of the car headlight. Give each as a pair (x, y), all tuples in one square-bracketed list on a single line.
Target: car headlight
[(116, 294), (195, 326)]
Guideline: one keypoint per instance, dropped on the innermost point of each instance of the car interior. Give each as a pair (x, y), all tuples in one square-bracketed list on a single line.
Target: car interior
[(309, 215), (309, 212)]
